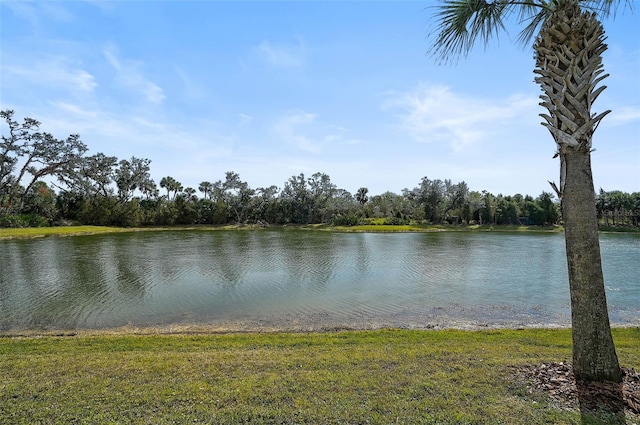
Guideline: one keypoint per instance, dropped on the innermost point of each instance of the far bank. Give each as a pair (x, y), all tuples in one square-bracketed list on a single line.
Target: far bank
[(38, 232)]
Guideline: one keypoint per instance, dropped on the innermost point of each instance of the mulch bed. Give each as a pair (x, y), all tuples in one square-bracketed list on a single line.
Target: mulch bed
[(556, 381)]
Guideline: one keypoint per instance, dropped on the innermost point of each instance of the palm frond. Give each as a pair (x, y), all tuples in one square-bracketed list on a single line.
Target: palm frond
[(459, 23), (534, 16), (607, 8)]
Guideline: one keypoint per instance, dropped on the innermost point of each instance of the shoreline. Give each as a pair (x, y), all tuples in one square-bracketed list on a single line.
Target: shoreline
[(127, 331), (66, 231), (260, 328)]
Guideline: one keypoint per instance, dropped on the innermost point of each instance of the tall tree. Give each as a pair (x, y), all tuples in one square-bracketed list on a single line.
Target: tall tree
[(41, 200), (130, 176), (237, 195), (28, 155), (429, 196), (389, 204), (190, 194), (149, 189), (569, 42), (361, 195), (549, 208), (266, 204), (455, 196), (321, 190), (206, 188), (296, 199), (171, 185), (95, 175)]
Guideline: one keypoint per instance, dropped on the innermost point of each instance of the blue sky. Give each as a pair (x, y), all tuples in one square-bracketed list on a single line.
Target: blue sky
[(274, 89)]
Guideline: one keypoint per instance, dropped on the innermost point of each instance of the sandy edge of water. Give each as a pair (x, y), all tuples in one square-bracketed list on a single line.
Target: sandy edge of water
[(453, 316), (257, 327)]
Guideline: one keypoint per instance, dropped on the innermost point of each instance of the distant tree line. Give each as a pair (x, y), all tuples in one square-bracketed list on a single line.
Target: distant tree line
[(103, 190)]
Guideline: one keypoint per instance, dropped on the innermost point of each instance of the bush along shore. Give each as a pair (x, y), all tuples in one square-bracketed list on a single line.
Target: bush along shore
[(378, 377)]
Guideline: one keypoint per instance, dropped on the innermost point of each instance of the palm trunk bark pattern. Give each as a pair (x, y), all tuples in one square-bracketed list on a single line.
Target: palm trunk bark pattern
[(569, 67)]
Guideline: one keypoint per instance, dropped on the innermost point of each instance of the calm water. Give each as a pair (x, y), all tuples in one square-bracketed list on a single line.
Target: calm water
[(302, 280)]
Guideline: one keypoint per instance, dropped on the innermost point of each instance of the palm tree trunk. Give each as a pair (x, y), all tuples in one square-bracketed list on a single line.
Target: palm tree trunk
[(569, 63), (594, 355)]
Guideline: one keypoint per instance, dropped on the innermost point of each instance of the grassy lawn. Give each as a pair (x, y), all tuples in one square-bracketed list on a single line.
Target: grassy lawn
[(443, 228), (37, 232), (380, 377)]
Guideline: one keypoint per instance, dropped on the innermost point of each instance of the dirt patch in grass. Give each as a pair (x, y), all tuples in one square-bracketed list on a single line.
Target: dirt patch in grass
[(556, 381)]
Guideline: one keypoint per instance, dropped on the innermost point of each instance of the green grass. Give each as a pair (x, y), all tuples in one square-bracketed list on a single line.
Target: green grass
[(36, 232), (442, 228), (379, 377), (620, 229)]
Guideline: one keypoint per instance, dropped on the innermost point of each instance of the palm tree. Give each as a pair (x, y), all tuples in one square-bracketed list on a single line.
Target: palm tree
[(167, 183), (569, 42), (206, 188), (361, 195), (191, 194), (172, 185)]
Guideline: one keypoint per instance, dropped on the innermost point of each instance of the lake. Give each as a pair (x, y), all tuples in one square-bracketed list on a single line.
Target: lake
[(302, 280)]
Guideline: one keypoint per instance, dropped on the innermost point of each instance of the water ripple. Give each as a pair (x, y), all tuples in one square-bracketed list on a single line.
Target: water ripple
[(110, 280)]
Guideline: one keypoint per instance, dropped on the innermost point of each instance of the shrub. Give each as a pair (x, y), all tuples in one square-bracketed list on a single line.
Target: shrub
[(23, 220), (345, 220), (396, 221), (11, 221)]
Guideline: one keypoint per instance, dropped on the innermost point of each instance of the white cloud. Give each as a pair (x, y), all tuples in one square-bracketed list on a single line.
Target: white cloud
[(98, 128), (131, 76), (24, 10), (190, 88), (181, 149), (290, 129), (104, 6), (438, 114), (245, 119), (54, 72), (283, 56), (302, 130), (78, 110), (624, 115), (37, 13), (56, 11)]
